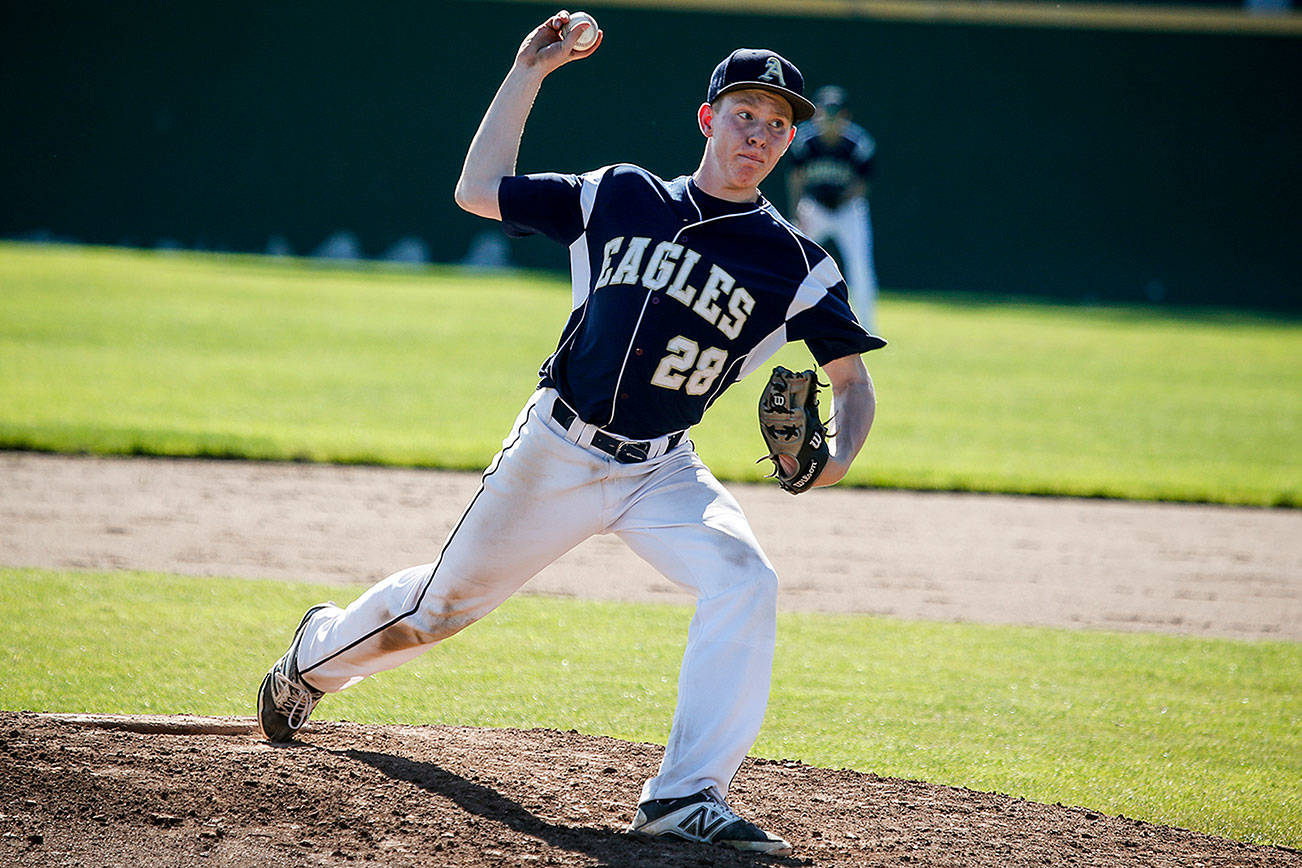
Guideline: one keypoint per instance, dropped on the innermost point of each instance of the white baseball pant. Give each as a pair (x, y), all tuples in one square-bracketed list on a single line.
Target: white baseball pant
[(544, 493), (850, 226)]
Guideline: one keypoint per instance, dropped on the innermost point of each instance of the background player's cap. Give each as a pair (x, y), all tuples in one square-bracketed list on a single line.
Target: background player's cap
[(830, 98), (760, 68)]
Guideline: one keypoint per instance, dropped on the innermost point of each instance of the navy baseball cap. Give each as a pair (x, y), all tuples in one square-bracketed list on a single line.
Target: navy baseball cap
[(759, 68)]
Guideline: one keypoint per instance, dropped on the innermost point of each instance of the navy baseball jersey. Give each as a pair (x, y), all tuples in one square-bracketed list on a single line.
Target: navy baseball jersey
[(676, 294), (831, 167)]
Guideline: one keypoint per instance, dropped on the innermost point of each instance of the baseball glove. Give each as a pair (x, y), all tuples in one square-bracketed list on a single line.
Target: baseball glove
[(790, 425)]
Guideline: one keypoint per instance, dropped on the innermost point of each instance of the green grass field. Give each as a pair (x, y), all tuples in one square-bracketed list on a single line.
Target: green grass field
[(1199, 733), (117, 351)]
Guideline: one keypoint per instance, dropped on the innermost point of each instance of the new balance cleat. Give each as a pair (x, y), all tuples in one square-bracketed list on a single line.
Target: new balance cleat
[(285, 700), (706, 819)]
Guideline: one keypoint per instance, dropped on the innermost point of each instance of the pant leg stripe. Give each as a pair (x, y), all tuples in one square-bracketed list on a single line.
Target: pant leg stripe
[(425, 589)]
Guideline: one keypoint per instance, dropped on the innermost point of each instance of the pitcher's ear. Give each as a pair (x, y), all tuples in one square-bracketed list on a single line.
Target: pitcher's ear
[(705, 119)]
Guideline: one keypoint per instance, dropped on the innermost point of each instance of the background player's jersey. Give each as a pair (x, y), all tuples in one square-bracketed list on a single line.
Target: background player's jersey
[(831, 167), (676, 294)]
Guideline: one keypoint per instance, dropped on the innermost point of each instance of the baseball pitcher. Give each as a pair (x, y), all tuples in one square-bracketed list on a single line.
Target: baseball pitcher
[(680, 289)]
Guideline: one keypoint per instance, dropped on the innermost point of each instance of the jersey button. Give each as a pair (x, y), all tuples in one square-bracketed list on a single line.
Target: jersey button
[(637, 352), (655, 299), (623, 396)]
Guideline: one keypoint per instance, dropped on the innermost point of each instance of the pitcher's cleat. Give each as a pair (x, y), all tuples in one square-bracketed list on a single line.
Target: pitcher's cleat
[(706, 819), (285, 700)]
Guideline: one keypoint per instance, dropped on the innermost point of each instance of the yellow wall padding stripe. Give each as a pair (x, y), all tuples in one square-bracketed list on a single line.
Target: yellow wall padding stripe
[(1009, 13)]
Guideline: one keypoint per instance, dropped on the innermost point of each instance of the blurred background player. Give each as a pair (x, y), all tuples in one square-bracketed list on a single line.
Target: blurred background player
[(831, 164)]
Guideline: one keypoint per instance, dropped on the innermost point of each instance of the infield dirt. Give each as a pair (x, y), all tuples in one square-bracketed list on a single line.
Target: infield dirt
[(103, 795), (106, 791)]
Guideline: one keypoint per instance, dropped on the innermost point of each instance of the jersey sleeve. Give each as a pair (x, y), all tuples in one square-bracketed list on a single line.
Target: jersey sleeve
[(824, 320), (546, 203)]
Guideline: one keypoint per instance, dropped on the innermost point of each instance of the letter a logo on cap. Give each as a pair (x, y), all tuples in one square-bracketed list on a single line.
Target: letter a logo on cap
[(763, 69), (773, 72)]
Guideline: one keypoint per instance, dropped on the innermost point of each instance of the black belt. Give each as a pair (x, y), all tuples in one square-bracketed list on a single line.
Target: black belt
[(623, 451)]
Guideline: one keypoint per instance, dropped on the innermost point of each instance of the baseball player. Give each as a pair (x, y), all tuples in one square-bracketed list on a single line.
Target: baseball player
[(832, 162), (680, 288)]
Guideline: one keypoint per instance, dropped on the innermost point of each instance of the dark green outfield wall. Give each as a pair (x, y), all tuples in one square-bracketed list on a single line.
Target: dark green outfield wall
[(1075, 164)]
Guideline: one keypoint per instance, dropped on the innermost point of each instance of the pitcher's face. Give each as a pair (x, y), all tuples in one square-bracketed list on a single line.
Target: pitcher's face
[(748, 132)]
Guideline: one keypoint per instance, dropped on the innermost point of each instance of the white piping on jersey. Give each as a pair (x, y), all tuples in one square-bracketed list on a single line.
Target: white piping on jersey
[(700, 215), (701, 222), (569, 336), (632, 339), (623, 366), (795, 234), (723, 380), (656, 183)]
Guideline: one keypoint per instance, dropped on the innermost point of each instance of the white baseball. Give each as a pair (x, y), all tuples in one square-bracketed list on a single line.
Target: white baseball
[(588, 37)]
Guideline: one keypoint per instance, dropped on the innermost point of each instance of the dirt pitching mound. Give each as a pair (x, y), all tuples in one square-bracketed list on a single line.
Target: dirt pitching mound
[(129, 791)]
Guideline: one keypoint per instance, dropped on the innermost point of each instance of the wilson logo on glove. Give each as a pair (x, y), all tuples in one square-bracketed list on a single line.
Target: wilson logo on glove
[(791, 427)]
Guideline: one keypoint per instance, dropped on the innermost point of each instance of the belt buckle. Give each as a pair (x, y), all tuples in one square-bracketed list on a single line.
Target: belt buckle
[(632, 451)]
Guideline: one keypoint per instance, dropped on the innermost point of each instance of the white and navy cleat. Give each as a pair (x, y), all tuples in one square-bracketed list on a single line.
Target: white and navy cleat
[(706, 819)]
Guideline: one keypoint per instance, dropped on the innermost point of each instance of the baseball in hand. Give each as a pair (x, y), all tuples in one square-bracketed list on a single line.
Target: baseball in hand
[(589, 37)]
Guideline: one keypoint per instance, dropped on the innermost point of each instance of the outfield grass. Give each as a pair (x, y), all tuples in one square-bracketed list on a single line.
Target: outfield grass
[(118, 351), (1199, 733)]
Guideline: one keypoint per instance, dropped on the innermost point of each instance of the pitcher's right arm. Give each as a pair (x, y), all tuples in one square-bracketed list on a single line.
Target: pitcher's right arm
[(496, 145)]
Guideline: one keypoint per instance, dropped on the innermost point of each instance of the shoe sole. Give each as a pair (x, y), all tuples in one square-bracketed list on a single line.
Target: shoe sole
[(278, 737), (264, 691), (767, 848)]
